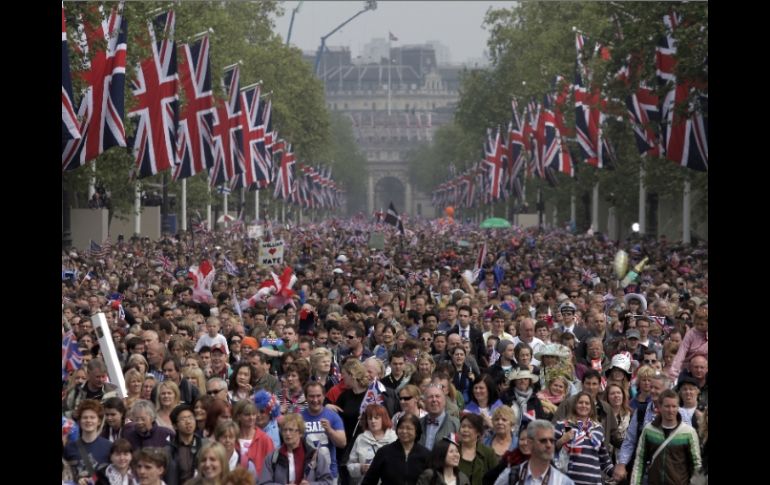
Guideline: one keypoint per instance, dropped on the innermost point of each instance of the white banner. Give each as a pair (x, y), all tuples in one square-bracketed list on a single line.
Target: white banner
[(271, 252)]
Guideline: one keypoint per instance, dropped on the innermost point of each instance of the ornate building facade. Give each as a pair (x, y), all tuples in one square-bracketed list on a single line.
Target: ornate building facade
[(393, 107)]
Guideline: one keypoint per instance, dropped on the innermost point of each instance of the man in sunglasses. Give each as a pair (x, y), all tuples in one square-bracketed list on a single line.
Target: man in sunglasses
[(354, 338), (538, 468)]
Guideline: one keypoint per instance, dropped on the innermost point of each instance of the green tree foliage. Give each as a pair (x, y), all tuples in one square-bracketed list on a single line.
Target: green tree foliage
[(348, 163), (452, 146), (533, 42), (242, 32)]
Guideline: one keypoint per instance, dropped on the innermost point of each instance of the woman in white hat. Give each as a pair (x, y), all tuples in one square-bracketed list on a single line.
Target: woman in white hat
[(522, 394), (555, 356)]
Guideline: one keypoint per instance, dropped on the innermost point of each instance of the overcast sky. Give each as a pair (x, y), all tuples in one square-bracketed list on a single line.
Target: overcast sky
[(456, 24)]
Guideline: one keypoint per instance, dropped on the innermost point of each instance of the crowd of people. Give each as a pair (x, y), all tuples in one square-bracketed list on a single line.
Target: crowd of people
[(454, 355)]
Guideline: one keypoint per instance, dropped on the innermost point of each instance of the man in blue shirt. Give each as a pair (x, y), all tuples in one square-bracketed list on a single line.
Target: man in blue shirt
[(323, 427)]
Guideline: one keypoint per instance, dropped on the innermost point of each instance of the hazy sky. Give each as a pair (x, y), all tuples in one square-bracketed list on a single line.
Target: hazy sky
[(456, 24)]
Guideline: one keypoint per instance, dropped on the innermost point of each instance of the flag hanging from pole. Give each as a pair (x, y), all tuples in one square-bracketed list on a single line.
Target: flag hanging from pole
[(394, 219)]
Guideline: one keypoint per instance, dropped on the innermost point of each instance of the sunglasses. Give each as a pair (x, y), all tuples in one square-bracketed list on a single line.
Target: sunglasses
[(211, 393), (426, 339), (405, 398), (649, 361)]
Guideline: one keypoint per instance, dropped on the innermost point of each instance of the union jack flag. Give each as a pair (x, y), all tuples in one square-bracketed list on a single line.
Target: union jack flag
[(264, 157), (686, 131), (71, 359), (166, 262), (548, 138), (253, 132), (231, 268), (375, 394), (517, 147), (589, 116), (155, 90), (69, 127), (195, 147), (643, 109), (493, 158), (203, 277), (285, 183), (227, 127), (101, 108)]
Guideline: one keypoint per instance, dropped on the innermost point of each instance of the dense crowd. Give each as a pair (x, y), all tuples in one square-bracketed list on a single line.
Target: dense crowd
[(454, 355)]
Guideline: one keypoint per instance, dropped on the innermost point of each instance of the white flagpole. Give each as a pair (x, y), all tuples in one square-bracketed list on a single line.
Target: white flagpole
[(642, 201), (137, 209), (184, 205), (686, 237), (225, 207)]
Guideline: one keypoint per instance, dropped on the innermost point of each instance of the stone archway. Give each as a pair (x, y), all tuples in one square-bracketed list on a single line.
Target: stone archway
[(387, 190), (384, 188)]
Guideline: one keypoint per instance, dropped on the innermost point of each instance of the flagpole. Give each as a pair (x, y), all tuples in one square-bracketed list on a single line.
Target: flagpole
[(184, 204), (92, 181), (256, 205), (686, 238), (390, 62), (137, 209), (225, 210), (595, 208), (208, 208), (642, 200)]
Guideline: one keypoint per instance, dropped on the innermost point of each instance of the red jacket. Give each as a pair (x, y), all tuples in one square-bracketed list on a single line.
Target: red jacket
[(261, 446)]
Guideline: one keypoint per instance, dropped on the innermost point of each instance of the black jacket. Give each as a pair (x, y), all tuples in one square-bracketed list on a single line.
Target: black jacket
[(393, 467), (478, 349), (171, 477)]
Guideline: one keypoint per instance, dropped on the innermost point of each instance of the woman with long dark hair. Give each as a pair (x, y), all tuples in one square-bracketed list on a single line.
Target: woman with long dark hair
[(401, 462), (580, 443), (444, 466)]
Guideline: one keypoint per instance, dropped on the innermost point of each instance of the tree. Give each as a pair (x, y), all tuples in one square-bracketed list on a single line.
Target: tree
[(242, 31), (533, 42)]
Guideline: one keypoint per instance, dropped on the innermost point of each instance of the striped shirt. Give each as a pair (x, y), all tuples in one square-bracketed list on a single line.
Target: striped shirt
[(588, 456)]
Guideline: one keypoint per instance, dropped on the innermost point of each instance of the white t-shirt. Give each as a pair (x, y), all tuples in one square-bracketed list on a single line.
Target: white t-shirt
[(207, 341)]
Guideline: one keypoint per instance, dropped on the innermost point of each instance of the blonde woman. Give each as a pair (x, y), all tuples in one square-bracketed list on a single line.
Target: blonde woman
[(410, 399), (315, 467), (640, 389), (134, 381), (168, 397), (348, 405), (196, 377), (138, 362), (212, 465), (321, 368), (504, 433), (425, 363)]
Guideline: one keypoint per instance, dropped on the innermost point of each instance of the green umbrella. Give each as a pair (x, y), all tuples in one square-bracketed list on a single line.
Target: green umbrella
[(495, 223)]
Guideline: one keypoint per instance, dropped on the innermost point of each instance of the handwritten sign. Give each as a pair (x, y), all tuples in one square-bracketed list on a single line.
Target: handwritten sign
[(271, 252)]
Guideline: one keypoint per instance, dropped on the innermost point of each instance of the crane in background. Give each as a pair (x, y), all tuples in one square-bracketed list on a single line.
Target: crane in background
[(370, 5), (291, 24)]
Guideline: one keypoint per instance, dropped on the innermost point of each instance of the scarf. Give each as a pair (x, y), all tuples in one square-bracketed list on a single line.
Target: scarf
[(522, 398), (552, 398), (115, 478)]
